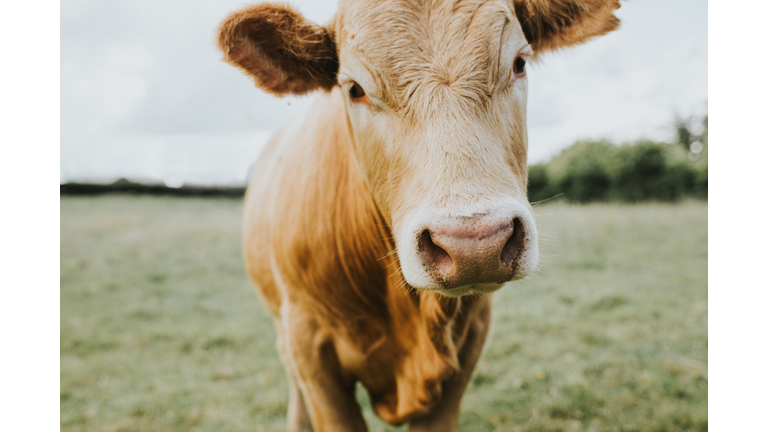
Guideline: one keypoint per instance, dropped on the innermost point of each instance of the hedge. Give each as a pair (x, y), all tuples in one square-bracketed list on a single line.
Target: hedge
[(642, 171)]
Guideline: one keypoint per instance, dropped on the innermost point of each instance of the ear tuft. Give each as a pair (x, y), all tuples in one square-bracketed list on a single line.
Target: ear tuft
[(280, 49), (553, 24)]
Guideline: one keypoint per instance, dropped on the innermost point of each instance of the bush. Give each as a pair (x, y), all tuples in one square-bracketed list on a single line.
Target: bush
[(700, 184), (650, 171), (637, 172), (580, 172), (601, 171), (538, 184)]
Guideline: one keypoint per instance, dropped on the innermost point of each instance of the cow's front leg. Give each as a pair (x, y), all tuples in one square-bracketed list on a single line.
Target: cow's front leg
[(298, 413), (328, 393), (444, 417)]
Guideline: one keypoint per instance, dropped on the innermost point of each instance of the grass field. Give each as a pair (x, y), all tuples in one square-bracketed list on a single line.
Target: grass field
[(161, 330)]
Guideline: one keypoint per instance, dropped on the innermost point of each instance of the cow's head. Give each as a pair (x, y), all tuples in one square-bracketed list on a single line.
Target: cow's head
[(435, 94)]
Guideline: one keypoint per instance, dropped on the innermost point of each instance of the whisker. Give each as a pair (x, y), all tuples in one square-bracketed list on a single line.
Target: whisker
[(545, 200)]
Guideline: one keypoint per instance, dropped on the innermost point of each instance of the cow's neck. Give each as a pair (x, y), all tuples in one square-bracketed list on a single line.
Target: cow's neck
[(403, 339)]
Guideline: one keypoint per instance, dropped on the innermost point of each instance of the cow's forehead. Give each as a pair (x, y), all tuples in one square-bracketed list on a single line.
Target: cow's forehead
[(427, 46)]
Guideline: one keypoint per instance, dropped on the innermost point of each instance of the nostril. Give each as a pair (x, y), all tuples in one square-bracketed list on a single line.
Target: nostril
[(514, 245), (434, 256)]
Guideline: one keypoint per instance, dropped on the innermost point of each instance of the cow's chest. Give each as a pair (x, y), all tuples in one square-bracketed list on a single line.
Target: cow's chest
[(404, 363)]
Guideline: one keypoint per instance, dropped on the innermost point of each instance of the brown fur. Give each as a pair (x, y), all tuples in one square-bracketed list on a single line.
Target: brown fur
[(283, 52), (553, 24), (325, 197)]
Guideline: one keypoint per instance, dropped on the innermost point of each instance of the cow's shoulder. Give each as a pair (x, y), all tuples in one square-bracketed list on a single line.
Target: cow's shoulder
[(313, 232)]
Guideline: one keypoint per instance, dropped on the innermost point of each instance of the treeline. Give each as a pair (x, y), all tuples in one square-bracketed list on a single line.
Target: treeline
[(124, 186), (640, 171)]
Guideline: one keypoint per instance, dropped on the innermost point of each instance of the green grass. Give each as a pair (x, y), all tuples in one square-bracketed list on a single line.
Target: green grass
[(161, 329)]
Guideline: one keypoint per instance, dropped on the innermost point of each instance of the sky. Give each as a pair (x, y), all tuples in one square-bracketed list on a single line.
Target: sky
[(145, 95)]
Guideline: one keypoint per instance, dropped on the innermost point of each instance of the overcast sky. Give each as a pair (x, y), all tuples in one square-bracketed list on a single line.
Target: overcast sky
[(145, 95)]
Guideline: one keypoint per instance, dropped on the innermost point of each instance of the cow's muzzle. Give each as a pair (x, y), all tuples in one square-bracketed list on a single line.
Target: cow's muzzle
[(481, 249)]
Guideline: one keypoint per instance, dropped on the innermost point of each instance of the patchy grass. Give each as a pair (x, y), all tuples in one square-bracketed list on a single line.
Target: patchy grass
[(161, 329)]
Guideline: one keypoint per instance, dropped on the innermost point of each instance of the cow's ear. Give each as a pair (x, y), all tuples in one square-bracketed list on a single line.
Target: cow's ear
[(552, 24), (280, 49)]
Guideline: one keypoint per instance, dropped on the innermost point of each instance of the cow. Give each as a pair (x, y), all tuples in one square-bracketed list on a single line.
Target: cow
[(377, 226)]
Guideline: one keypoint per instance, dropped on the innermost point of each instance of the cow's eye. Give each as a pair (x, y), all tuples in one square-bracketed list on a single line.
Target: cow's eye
[(356, 91), (519, 67)]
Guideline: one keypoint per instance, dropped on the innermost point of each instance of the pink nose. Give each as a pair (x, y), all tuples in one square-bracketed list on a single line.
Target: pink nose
[(459, 252)]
